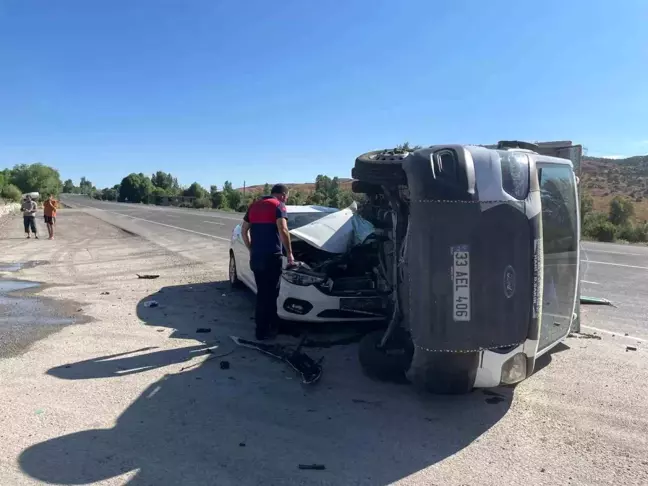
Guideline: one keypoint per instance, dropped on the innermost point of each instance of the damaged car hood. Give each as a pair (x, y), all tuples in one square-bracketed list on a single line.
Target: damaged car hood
[(333, 233)]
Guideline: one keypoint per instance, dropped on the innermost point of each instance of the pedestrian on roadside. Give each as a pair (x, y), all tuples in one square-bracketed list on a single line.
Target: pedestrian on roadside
[(49, 210), (29, 216), (265, 233)]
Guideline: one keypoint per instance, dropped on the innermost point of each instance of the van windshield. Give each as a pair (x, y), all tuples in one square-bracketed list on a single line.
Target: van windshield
[(560, 243)]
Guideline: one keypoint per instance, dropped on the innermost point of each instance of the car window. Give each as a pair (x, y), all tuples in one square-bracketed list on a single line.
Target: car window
[(297, 220)]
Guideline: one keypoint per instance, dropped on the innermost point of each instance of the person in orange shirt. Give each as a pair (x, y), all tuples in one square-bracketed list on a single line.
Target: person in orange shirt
[(49, 209)]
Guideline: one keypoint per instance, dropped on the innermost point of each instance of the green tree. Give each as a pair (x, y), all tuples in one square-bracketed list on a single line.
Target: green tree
[(36, 178), (195, 190), (135, 188), (68, 187), (621, 211), (297, 198), (266, 189), (86, 187), (216, 197), (166, 182), (109, 194)]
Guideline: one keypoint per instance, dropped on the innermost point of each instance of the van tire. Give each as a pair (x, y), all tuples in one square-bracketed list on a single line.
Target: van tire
[(380, 167), (388, 364)]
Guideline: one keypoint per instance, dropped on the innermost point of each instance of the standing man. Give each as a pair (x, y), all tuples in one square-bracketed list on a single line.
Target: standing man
[(49, 209), (29, 216), (264, 231)]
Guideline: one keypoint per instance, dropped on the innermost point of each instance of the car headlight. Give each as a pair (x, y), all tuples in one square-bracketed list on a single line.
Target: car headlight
[(300, 278), (514, 369)]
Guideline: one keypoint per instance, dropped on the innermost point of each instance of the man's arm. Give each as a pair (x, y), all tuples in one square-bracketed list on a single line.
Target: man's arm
[(245, 234), (284, 235), (245, 230)]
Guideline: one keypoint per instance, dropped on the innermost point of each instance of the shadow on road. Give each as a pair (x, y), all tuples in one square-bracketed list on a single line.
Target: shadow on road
[(254, 423)]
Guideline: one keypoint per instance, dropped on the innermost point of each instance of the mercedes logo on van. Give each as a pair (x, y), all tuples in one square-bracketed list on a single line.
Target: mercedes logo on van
[(509, 281)]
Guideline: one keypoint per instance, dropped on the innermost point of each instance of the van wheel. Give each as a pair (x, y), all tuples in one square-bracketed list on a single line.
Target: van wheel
[(445, 373), (389, 363), (234, 281), (381, 167)]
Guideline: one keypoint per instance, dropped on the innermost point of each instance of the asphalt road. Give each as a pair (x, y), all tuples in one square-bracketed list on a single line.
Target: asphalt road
[(213, 224), (612, 271)]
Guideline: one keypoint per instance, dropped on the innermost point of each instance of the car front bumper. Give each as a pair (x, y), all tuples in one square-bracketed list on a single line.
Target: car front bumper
[(309, 304)]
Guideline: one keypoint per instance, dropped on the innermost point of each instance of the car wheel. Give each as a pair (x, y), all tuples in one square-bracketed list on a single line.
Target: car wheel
[(233, 276), (389, 363), (445, 373), (381, 167)]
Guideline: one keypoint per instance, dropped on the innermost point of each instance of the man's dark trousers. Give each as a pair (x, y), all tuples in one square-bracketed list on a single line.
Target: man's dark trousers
[(267, 272)]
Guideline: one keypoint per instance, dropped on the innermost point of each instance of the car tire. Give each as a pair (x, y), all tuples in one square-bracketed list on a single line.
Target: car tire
[(446, 373), (390, 363), (234, 281), (381, 167)]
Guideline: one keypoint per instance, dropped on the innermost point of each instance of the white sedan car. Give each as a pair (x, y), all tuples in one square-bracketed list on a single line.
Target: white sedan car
[(333, 281)]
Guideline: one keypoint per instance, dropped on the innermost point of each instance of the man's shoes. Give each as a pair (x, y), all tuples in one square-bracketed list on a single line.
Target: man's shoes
[(36, 237)]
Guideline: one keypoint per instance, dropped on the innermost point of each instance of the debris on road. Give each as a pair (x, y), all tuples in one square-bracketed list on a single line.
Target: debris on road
[(312, 467), (310, 370), (631, 348), (105, 293), (224, 365), (203, 330), (151, 303), (583, 335), (595, 301), (147, 277)]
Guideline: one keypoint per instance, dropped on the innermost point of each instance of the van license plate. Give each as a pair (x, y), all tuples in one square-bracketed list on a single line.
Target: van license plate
[(461, 283)]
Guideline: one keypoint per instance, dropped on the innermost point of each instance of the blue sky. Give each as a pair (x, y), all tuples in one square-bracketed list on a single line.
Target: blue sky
[(279, 91)]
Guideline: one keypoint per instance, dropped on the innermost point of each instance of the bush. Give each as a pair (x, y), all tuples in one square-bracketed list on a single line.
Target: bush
[(634, 234), (605, 231), (11, 193), (204, 202)]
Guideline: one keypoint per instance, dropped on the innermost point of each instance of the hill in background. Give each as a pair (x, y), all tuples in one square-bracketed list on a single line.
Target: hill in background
[(605, 178)]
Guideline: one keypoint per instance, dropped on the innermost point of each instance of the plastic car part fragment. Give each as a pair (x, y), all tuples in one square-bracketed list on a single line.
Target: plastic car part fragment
[(310, 370)]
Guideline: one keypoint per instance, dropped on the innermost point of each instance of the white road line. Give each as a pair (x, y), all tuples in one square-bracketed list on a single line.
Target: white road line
[(161, 224), (615, 264), (591, 283), (604, 331), (611, 252), (214, 222)]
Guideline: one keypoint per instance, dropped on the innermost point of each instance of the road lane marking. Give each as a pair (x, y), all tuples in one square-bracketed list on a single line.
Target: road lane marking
[(161, 224), (214, 222), (615, 264), (174, 227), (612, 252), (604, 331)]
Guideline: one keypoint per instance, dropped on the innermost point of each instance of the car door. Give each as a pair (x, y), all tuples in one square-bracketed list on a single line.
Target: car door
[(242, 255)]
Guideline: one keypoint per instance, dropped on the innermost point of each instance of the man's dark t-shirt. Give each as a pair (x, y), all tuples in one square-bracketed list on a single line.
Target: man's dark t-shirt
[(262, 216)]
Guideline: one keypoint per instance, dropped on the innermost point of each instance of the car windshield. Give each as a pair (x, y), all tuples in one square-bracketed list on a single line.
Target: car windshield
[(297, 220)]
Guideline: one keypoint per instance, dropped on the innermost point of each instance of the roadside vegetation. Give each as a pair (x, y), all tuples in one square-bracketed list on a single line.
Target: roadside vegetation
[(25, 178), (163, 189), (618, 223)]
